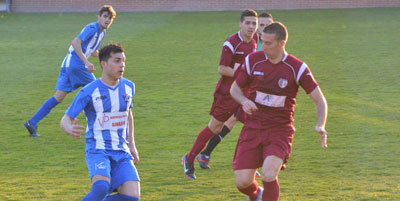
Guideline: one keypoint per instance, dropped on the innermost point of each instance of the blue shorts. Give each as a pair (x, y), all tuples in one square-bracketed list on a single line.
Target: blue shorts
[(71, 78), (116, 165)]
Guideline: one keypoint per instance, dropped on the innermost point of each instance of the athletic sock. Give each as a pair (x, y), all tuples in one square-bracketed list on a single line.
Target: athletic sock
[(251, 191), (99, 190), (215, 141), (44, 110), (120, 197), (199, 144), (271, 191)]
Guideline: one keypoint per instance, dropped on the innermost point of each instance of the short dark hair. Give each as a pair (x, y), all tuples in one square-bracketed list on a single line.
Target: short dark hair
[(265, 14), (106, 51), (248, 12), (278, 29), (109, 9)]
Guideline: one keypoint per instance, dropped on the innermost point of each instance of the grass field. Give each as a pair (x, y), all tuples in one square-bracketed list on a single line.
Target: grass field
[(172, 58)]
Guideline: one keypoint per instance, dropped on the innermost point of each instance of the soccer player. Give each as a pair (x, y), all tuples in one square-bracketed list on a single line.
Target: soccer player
[(264, 19), (273, 78), (110, 146), (76, 70), (234, 50)]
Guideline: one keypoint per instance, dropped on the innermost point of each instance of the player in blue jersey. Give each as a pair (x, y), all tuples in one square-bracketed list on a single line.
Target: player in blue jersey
[(110, 146), (76, 70)]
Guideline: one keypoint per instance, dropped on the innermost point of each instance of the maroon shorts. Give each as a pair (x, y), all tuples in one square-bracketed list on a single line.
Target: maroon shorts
[(223, 107), (254, 145)]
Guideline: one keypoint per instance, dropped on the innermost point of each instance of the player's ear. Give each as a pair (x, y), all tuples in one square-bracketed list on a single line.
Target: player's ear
[(102, 63), (282, 43)]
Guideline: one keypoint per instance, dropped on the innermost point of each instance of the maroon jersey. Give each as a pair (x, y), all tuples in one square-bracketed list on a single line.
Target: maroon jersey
[(273, 87), (234, 51)]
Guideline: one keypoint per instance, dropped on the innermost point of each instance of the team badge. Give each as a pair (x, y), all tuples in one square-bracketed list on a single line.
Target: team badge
[(127, 97), (282, 83)]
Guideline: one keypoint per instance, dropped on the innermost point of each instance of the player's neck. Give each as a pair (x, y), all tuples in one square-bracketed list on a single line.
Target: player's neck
[(276, 58), (246, 39), (109, 82)]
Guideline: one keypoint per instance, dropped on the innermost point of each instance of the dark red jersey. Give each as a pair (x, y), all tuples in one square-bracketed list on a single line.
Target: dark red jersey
[(273, 87), (234, 51)]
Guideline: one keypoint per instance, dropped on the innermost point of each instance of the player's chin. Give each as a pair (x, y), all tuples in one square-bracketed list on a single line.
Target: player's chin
[(251, 33)]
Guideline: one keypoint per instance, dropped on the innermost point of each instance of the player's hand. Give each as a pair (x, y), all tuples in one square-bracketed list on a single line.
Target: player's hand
[(249, 107), (90, 67), (134, 153), (323, 134), (75, 130)]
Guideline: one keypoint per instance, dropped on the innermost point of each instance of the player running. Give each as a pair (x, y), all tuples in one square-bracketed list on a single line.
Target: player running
[(76, 70)]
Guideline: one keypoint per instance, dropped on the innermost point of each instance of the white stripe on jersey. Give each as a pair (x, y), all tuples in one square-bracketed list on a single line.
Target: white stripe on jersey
[(128, 90), (114, 98), (90, 44), (247, 65), (229, 45), (301, 71), (68, 57), (98, 106), (240, 37)]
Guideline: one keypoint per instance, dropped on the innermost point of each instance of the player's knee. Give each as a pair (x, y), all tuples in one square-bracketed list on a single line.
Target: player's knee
[(243, 182), (130, 188), (60, 95), (59, 98), (269, 175)]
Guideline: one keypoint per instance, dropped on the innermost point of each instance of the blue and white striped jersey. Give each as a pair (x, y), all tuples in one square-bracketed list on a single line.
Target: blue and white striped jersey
[(106, 111), (91, 37)]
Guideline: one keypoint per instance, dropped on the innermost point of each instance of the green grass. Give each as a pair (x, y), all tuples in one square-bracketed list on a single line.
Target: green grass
[(172, 58)]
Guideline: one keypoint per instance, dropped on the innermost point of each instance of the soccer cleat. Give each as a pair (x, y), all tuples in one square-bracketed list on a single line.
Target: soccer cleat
[(258, 175), (188, 168), (32, 129), (203, 161), (260, 192)]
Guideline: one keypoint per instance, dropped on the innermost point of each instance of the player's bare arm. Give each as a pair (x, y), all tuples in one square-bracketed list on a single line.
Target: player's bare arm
[(131, 134), (321, 109), (237, 94), (226, 71), (76, 44), (70, 126)]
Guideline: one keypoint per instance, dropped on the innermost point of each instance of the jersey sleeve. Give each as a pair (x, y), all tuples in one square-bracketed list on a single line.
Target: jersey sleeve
[(227, 54), (243, 73), (87, 32), (133, 94), (78, 104), (306, 79)]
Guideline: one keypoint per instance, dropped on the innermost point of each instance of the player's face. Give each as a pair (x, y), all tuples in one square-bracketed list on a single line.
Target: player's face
[(262, 23), (249, 26), (105, 20), (114, 66), (271, 46)]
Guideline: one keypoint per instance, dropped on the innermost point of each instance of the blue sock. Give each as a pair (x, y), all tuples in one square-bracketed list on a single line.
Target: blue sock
[(120, 197), (98, 192), (44, 110)]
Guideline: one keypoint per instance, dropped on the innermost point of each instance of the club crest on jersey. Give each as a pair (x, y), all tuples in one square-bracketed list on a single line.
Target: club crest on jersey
[(127, 97), (282, 83)]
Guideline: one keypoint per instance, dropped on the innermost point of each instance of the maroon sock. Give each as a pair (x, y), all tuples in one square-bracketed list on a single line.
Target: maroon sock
[(204, 136), (271, 191), (251, 191)]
